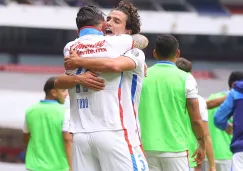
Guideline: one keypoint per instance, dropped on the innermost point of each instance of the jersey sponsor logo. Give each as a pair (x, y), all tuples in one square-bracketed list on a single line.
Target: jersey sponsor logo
[(85, 49), (90, 51), (80, 45), (83, 103)]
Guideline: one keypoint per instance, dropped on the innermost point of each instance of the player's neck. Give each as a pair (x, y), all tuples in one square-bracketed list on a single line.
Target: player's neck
[(173, 60), (89, 30), (49, 98)]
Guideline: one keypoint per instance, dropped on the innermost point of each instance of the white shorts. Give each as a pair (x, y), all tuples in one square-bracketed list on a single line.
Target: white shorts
[(221, 165), (237, 162), (168, 163), (106, 151)]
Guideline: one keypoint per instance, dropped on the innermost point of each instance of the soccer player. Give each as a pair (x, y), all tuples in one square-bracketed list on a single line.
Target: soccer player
[(101, 121), (167, 94), (186, 66), (232, 106), (221, 139), (49, 144)]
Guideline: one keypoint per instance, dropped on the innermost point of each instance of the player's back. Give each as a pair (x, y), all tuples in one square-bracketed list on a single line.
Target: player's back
[(97, 110), (162, 110), (46, 146)]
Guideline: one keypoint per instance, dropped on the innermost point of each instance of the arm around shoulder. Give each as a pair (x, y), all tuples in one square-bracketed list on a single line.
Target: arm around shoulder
[(224, 112)]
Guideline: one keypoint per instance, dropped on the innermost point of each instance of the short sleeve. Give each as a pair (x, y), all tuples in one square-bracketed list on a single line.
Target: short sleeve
[(67, 102), (122, 43), (203, 109), (66, 52), (138, 57), (25, 128), (191, 87), (66, 121)]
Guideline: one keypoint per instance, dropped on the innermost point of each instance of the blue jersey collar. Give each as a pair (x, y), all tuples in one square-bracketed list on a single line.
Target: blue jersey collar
[(49, 101), (89, 30), (166, 62)]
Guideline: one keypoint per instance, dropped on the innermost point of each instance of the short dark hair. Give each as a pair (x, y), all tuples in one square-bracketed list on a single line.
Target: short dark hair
[(166, 46), (49, 85), (133, 22), (89, 16), (184, 64), (235, 76)]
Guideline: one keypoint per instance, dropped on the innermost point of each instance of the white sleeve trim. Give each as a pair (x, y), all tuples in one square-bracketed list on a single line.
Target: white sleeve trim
[(191, 87), (66, 122), (25, 129), (134, 55), (203, 109)]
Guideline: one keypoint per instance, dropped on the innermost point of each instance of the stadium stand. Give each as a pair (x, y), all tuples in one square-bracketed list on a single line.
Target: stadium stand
[(212, 7)]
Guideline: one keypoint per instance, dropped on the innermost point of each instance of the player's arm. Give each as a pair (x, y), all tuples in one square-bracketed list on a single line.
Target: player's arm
[(224, 112), (196, 120), (208, 141), (125, 42), (67, 137), (209, 147), (87, 79), (68, 79), (140, 41), (26, 137), (195, 117), (215, 102), (123, 63)]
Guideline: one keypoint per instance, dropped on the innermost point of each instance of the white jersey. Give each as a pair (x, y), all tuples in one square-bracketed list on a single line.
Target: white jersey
[(130, 96), (98, 111), (203, 108)]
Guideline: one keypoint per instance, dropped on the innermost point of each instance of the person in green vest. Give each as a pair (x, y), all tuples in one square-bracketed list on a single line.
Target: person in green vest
[(186, 66), (49, 144), (167, 94), (222, 139)]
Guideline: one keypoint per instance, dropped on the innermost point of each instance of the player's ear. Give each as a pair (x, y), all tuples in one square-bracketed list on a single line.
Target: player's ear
[(178, 53), (53, 93), (155, 55)]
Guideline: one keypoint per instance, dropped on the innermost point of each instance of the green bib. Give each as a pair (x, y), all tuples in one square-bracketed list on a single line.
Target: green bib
[(162, 110), (46, 151)]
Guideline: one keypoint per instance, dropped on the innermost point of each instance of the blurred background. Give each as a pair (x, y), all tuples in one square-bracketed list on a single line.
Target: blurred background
[(34, 32)]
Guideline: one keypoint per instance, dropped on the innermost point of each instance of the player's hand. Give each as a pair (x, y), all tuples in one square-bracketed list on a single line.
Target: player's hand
[(212, 169), (229, 129), (200, 153), (71, 62), (197, 168), (91, 80)]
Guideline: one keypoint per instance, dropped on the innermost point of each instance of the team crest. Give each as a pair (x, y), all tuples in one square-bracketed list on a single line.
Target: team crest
[(135, 52)]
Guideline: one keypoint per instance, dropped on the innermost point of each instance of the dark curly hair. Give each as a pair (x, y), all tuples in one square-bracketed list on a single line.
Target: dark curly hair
[(133, 19)]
